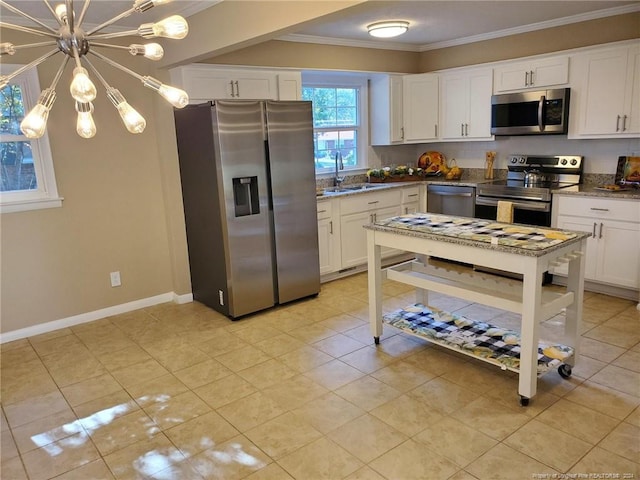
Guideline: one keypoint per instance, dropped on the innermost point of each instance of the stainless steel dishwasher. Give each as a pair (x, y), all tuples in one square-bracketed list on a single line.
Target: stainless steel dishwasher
[(451, 200)]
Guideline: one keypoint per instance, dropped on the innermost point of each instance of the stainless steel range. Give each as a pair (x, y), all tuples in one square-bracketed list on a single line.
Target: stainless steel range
[(530, 181)]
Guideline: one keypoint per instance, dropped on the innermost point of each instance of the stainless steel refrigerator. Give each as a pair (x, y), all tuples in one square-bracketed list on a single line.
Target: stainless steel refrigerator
[(248, 185)]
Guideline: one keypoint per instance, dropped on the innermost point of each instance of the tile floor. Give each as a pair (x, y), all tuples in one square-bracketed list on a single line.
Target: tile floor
[(301, 392)]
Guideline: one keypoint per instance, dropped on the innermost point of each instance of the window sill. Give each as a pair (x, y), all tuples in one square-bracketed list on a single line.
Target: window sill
[(32, 204)]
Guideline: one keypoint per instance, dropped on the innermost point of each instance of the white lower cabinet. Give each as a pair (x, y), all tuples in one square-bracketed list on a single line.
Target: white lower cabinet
[(328, 238), (613, 252)]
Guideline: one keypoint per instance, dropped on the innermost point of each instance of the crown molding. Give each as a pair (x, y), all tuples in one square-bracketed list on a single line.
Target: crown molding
[(558, 22)]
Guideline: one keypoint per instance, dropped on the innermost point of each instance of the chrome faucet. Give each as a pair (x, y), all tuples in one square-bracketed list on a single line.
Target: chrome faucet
[(337, 180)]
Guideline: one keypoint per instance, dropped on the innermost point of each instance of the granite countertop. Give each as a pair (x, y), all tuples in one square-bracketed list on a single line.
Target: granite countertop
[(523, 240), (359, 188), (592, 191)]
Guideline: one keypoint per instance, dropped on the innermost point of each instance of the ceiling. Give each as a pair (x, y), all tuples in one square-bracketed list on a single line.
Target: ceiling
[(433, 24)]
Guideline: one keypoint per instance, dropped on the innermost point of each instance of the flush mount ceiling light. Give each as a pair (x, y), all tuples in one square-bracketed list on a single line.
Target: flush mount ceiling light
[(71, 40), (388, 29)]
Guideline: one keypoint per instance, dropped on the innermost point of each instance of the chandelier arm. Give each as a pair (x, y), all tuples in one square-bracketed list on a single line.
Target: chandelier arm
[(28, 30), (53, 12), (32, 45), (124, 14), (70, 20), (106, 36), (34, 63), (85, 7), (29, 17), (97, 73), (59, 73), (115, 64)]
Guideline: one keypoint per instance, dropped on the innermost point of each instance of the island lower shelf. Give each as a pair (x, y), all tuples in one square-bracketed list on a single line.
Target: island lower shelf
[(482, 340)]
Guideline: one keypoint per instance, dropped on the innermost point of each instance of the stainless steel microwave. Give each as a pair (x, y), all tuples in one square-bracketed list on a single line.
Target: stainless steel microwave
[(544, 112)]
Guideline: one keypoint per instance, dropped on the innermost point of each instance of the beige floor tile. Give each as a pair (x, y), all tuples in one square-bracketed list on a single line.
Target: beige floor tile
[(614, 336), (443, 396), (46, 430), (273, 471), (599, 460), (495, 420), (251, 411), (456, 441), (367, 392), (178, 357), (338, 345), (63, 342), (283, 435), (328, 412), (586, 367), (242, 358), (177, 409), (268, 373), (224, 391), (143, 458), (256, 334), (133, 375), (107, 344), (13, 469), (295, 392), (225, 342), (548, 445), (402, 376), (87, 390), (367, 437), (202, 373), (602, 351), (4, 425), (182, 470), (110, 434), (436, 360), (363, 335), (475, 376), (407, 414), (365, 473), (344, 322), (624, 440), (333, 374), (25, 386), (59, 457), (36, 408), (399, 346), (629, 360), (17, 356), (320, 460), (462, 475), (113, 405), (408, 461), (93, 470), (621, 379), (368, 359), (8, 447), (201, 433), (158, 389), (82, 369), (504, 463), (634, 417), (312, 333), (232, 460), (125, 358), (279, 345), (304, 359), (577, 420)]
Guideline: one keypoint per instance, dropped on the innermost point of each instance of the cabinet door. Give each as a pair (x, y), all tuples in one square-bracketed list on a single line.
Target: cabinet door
[(533, 74), (326, 248), (619, 255), (455, 106), (385, 109), (480, 89), (591, 255), (466, 105), (204, 85), (254, 86), (290, 86), (632, 124), (420, 107), (353, 238)]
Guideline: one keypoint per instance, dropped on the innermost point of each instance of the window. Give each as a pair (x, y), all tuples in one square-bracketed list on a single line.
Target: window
[(26, 167), (339, 119)]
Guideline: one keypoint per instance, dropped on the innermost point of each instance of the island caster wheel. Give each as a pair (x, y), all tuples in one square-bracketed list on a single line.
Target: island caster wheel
[(376, 340), (564, 371), (524, 401)]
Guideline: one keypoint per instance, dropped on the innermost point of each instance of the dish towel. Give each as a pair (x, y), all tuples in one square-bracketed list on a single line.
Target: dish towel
[(505, 212)]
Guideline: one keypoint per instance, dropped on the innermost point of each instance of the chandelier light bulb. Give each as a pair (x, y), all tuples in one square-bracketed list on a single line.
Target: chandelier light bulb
[(34, 123), (175, 27), (176, 97), (85, 126), (82, 88), (152, 51), (134, 122), (7, 48), (61, 12)]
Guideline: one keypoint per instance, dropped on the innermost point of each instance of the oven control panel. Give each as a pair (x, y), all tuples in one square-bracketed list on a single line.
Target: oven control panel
[(545, 162)]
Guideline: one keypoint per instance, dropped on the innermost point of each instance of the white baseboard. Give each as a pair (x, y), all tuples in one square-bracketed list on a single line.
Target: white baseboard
[(95, 315)]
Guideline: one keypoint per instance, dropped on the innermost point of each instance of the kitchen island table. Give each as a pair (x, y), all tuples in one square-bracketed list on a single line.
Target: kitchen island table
[(524, 251)]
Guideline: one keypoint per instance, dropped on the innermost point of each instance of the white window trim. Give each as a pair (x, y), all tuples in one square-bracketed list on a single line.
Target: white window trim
[(339, 79), (46, 195)]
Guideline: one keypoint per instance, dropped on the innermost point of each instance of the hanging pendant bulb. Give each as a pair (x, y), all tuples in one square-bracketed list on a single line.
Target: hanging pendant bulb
[(7, 48), (152, 51), (176, 97), (82, 88), (174, 27), (85, 126), (35, 123), (133, 121)]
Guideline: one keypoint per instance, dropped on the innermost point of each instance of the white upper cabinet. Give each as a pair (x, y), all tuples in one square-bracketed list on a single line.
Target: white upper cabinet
[(420, 107), (532, 74), (207, 82), (606, 93), (385, 110), (466, 105)]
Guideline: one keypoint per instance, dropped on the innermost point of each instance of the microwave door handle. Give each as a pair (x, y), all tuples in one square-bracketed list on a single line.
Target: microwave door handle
[(541, 103)]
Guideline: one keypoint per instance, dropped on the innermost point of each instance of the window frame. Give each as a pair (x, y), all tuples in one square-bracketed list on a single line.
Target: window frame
[(46, 194), (346, 80)]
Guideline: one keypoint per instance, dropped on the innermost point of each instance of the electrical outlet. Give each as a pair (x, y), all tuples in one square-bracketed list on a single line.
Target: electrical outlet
[(115, 279)]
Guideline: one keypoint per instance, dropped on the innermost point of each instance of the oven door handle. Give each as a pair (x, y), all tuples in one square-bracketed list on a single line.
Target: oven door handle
[(541, 103), (536, 206)]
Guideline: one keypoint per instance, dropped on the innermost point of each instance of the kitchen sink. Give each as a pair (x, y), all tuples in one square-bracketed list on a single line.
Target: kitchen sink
[(352, 188)]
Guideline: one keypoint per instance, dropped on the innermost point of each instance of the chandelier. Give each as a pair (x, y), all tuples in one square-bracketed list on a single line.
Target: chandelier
[(76, 44)]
